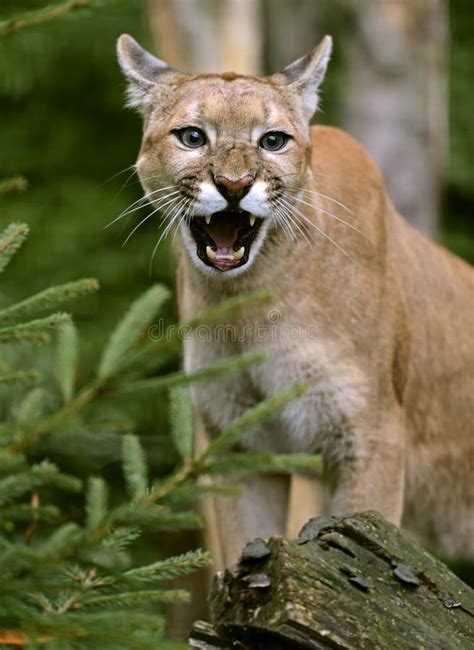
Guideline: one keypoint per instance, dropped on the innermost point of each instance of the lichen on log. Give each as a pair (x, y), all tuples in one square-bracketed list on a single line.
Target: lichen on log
[(352, 582)]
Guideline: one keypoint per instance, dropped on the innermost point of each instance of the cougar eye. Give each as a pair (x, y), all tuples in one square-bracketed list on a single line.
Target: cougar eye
[(191, 137), (274, 140)]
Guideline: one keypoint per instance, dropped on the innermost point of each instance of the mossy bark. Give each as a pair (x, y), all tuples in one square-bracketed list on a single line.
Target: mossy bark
[(354, 582)]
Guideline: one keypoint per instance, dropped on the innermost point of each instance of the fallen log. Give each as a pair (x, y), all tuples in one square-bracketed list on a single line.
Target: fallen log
[(352, 582)]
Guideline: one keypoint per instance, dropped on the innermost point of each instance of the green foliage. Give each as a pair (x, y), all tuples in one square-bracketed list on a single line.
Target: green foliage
[(67, 565), (129, 329), (67, 354), (10, 241), (47, 298), (181, 421), (134, 466)]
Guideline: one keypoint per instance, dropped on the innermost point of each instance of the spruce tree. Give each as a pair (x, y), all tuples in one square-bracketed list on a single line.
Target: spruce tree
[(66, 566)]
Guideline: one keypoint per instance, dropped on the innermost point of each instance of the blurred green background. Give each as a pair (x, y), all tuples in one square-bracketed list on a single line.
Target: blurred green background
[(63, 127)]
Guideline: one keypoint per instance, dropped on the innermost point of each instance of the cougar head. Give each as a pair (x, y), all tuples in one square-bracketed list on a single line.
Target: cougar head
[(219, 149)]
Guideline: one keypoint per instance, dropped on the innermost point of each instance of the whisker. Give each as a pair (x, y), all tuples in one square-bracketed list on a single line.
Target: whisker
[(330, 214), (282, 221), (142, 201), (172, 214), (145, 201), (122, 171), (325, 196), (311, 223), (183, 218), (163, 234), (160, 207), (297, 225)]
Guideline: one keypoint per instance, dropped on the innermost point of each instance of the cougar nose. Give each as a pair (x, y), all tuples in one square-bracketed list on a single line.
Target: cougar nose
[(233, 190)]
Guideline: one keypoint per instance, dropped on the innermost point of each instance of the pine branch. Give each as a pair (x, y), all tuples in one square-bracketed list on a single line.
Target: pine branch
[(127, 598), (24, 377), (9, 463), (191, 492), (250, 419), (233, 364), (22, 331), (45, 14), (229, 436), (160, 518), (235, 462), (172, 567), (31, 408), (96, 502), (130, 328), (16, 485), (14, 184), (134, 466), (21, 336), (182, 421), (49, 298), (24, 512), (230, 307), (164, 343), (67, 353), (121, 537), (60, 541), (10, 241)]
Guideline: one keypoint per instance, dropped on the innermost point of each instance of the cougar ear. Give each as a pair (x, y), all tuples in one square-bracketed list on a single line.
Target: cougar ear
[(306, 74), (142, 70)]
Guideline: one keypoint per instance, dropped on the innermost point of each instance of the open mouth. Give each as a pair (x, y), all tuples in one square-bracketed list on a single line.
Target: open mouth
[(224, 239)]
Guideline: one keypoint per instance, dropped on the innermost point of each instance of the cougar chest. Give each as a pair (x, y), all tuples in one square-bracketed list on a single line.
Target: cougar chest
[(335, 388)]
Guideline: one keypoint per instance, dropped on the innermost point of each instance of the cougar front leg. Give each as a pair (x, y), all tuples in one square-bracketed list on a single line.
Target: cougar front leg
[(372, 475), (260, 512), (309, 497), (229, 522)]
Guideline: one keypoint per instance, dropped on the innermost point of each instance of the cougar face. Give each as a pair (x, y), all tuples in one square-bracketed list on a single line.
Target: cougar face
[(218, 151)]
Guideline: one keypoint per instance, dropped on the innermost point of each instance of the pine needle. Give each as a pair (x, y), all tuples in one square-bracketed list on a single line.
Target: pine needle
[(237, 462), (10, 241), (181, 420), (48, 299), (96, 502), (14, 184), (232, 364), (134, 466), (22, 377), (67, 354), (35, 17), (172, 567), (251, 418), (127, 598), (24, 331), (130, 328), (231, 306)]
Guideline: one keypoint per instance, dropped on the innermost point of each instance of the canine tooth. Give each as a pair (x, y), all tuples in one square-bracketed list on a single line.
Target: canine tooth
[(208, 218), (252, 219), (238, 255), (212, 255)]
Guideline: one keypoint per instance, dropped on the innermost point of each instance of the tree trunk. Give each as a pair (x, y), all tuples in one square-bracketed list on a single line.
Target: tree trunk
[(395, 99), (208, 35), (354, 582)]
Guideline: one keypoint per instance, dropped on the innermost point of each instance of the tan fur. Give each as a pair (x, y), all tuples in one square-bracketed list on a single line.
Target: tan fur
[(376, 319)]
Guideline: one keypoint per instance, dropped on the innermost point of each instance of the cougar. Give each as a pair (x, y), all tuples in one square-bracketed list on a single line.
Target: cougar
[(374, 318)]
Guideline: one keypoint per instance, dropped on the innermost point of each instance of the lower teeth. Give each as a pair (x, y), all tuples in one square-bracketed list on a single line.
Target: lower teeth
[(212, 254)]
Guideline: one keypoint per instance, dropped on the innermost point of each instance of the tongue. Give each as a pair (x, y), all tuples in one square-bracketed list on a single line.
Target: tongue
[(224, 229)]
